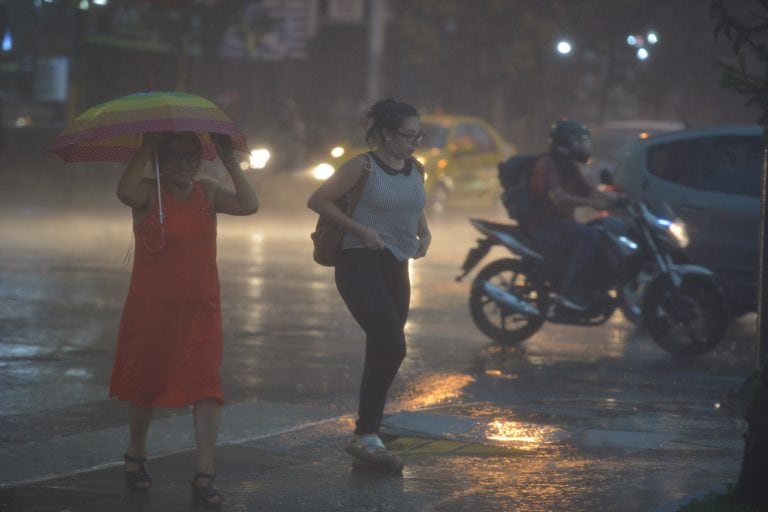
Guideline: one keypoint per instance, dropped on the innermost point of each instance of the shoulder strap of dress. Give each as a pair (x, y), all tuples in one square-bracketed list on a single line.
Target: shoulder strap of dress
[(357, 190), (368, 164)]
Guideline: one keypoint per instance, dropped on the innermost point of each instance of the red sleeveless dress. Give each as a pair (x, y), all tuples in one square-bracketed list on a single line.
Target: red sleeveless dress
[(170, 340)]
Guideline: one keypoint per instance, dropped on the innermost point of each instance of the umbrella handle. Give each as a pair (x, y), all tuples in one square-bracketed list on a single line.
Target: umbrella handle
[(159, 195)]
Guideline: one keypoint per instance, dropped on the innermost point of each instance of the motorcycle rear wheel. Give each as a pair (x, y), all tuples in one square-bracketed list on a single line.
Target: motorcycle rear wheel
[(501, 323), (689, 321)]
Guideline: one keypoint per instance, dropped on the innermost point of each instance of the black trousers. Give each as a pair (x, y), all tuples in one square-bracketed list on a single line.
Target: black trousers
[(377, 290), (582, 245)]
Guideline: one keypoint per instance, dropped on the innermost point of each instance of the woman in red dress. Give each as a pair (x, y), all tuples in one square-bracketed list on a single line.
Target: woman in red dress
[(170, 340)]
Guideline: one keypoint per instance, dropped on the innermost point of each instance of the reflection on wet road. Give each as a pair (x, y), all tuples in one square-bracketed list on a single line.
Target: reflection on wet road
[(288, 338)]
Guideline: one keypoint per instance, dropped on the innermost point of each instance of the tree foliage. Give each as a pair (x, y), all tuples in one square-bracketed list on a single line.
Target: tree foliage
[(469, 48), (745, 25), (482, 56)]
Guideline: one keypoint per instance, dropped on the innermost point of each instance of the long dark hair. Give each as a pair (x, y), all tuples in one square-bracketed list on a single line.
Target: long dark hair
[(386, 114)]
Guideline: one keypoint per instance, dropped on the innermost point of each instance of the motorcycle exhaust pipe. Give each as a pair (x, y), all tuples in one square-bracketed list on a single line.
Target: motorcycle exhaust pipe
[(503, 297)]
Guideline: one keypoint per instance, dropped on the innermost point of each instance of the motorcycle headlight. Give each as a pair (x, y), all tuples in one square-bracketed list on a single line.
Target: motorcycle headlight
[(679, 233), (676, 230)]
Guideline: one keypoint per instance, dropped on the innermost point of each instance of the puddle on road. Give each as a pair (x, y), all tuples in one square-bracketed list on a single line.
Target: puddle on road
[(524, 436), (11, 351), (435, 389), (419, 446)]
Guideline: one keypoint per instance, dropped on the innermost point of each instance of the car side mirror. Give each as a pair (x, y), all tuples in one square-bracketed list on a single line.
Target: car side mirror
[(606, 177)]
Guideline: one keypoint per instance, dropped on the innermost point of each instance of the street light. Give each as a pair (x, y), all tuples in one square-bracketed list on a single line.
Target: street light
[(564, 47), (642, 42)]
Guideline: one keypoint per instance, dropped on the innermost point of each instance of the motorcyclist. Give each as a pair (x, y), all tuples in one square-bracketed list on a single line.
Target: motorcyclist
[(557, 188)]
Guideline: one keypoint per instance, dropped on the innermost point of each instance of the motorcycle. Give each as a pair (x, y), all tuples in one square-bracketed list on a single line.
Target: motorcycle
[(631, 291), (681, 306)]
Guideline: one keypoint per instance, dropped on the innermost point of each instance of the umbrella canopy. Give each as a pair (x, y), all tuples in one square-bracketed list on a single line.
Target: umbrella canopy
[(111, 132)]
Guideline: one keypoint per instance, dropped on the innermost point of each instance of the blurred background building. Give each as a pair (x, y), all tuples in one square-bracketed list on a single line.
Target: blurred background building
[(519, 64)]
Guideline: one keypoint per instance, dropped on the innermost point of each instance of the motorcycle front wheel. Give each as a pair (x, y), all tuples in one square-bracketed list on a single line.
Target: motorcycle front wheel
[(687, 321), (502, 323), (631, 291), (630, 295)]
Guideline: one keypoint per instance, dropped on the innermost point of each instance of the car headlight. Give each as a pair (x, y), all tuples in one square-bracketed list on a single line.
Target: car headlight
[(323, 171), (258, 158)]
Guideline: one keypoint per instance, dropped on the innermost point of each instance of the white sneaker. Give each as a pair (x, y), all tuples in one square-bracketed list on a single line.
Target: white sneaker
[(370, 453)]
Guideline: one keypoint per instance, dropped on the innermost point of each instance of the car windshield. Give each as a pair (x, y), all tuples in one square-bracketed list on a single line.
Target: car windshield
[(435, 135)]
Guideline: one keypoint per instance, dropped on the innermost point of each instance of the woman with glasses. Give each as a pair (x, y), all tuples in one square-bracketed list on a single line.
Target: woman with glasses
[(386, 229), (170, 339)]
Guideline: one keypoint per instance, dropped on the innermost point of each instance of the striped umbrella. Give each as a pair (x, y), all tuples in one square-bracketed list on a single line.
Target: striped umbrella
[(112, 131)]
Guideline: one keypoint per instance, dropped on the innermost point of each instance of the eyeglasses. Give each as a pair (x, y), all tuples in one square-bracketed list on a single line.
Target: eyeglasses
[(413, 138), (176, 158)]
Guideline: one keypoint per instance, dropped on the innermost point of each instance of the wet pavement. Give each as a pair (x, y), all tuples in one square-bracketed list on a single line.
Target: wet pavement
[(575, 419), (541, 456)]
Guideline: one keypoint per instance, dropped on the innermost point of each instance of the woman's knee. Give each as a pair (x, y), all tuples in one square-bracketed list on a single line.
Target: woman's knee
[(387, 346), (398, 355)]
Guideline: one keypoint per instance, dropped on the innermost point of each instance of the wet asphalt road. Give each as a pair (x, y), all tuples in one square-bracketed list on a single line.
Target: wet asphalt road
[(288, 336), (289, 339)]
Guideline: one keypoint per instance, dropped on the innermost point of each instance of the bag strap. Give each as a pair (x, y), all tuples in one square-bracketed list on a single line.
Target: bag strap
[(357, 190)]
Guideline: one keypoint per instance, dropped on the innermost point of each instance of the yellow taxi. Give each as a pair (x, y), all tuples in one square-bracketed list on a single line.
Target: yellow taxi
[(460, 155)]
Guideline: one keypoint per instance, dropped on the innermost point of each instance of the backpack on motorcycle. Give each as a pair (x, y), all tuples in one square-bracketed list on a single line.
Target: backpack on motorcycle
[(515, 178)]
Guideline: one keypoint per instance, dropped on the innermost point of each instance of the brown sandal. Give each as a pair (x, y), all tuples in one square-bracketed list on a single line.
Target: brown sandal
[(138, 480), (207, 494)]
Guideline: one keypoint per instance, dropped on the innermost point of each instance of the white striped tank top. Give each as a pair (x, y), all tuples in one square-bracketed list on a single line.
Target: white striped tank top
[(390, 204)]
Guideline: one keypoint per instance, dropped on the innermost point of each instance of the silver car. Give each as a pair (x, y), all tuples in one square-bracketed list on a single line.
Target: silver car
[(711, 180), (611, 140)]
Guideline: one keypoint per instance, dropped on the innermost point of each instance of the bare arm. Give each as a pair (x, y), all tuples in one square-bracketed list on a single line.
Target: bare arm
[(241, 201), (605, 200), (341, 182), (425, 237), (132, 189), (595, 199)]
